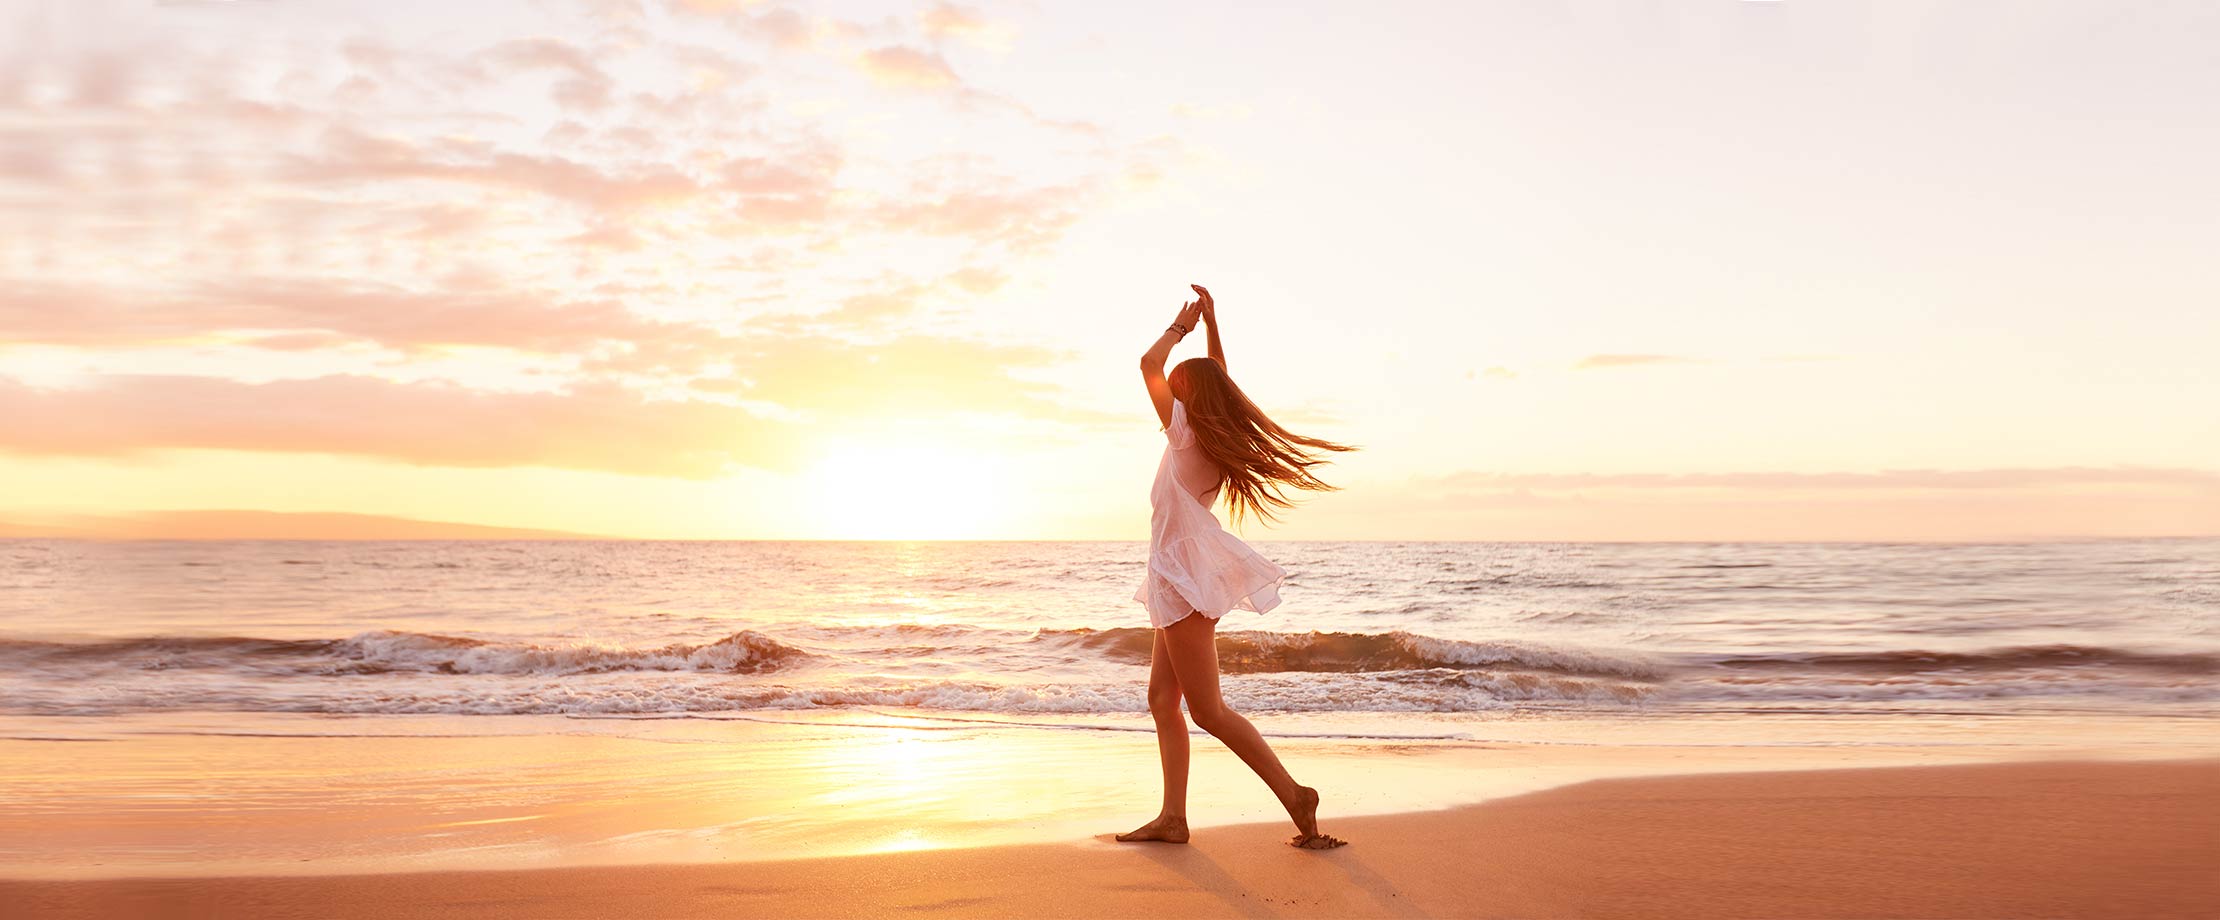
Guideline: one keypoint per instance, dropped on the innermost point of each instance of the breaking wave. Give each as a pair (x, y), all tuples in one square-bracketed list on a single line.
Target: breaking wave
[(1254, 652), (964, 667), (383, 651)]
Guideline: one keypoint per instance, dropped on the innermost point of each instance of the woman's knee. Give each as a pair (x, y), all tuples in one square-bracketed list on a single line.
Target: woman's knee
[(1164, 700), (1211, 717)]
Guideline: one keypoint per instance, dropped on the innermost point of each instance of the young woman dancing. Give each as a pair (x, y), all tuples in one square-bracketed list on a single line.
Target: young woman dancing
[(1218, 440)]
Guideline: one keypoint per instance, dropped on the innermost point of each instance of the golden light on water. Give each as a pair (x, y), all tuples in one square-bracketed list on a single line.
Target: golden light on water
[(911, 839)]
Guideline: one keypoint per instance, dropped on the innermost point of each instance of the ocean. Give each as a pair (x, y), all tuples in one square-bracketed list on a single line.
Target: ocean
[(1372, 637)]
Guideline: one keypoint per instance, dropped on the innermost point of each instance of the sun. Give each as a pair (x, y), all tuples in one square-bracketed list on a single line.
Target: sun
[(905, 489)]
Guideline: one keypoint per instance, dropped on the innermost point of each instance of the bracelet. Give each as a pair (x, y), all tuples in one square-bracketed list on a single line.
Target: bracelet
[(1182, 331)]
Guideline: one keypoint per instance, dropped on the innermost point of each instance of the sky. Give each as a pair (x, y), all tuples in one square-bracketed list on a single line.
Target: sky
[(760, 270)]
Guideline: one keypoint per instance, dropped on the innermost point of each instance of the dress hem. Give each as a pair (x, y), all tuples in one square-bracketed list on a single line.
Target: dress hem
[(1191, 612)]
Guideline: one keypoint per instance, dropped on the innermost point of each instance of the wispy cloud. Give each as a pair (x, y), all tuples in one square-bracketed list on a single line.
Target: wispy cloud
[(590, 427), (694, 423), (456, 310), (2020, 478), (950, 21), (584, 86), (897, 65), (1887, 505), (1592, 362)]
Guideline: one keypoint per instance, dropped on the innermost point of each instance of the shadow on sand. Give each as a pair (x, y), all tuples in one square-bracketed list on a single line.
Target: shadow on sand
[(1259, 897)]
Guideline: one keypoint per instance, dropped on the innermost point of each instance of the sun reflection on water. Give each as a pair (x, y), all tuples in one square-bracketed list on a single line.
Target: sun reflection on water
[(905, 840)]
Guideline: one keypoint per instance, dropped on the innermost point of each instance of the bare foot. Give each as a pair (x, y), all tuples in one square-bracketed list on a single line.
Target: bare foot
[(1167, 830), (1305, 810), (1305, 814)]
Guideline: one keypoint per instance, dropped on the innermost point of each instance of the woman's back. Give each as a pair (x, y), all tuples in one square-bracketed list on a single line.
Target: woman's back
[(1191, 465)]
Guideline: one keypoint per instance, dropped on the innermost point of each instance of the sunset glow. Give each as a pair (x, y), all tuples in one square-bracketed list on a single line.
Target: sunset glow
[(767, 270), (874, 490)]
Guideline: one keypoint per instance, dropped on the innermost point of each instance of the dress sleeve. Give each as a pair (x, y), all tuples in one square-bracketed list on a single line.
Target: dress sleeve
[(1180, 435)]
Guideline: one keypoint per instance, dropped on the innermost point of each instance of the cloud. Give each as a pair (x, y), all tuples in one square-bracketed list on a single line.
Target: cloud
[(978, 280), (2003, 478), (1595, 361), (882, 52), (897, 65), (586, 87), (780, 27), (301, 341), (947, 20), (1024, 219), (1889, 505), (692, 150), (226, 524), (909, 375), (591, 427), (660, 207), (460, 311), (350, 156)]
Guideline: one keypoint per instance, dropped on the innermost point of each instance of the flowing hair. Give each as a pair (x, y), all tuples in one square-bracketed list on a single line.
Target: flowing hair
[(1258, 457)]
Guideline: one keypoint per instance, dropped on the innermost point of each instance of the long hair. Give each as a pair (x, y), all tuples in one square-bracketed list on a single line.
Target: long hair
[(1258, 457)]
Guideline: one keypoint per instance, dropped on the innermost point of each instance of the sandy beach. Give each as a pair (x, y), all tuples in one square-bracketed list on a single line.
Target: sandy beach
[(778, 459), (2014, 840)]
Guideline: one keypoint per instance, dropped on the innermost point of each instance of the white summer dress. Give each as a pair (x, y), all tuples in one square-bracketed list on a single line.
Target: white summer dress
[(1195, 566)]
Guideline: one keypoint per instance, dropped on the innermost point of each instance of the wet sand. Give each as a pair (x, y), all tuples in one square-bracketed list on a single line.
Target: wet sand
[(2038, 839)]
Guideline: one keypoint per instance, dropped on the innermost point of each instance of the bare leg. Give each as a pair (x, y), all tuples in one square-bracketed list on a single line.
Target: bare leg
[(1170, 824), (1194, 654)]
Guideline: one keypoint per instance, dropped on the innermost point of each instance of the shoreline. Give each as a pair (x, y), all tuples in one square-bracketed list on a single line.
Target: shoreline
[(225, 795), (2056, 838)]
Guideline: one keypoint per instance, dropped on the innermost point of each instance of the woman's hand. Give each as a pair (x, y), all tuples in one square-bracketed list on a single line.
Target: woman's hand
[(1210, 315), (1189, 313)]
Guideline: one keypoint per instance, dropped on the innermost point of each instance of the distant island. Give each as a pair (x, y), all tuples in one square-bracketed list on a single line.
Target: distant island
[(266, 525)]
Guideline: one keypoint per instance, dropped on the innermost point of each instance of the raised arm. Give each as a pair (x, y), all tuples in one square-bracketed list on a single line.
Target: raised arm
[(1210, 318), (1152, 362)]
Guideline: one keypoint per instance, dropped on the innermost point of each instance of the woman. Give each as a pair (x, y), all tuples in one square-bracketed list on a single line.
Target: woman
[(1218, 439)]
